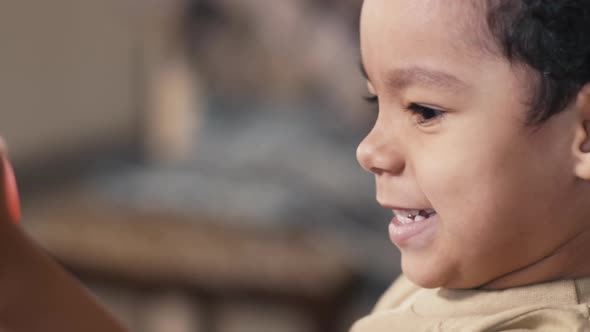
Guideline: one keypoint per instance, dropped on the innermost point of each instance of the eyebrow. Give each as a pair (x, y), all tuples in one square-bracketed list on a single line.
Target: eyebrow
[(402, 78)]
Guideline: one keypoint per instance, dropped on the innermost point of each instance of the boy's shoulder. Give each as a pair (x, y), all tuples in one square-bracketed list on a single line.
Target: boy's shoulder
[(554, 306)]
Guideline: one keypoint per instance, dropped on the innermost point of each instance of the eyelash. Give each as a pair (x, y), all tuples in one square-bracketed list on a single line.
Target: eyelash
[(427, 114), (373, 100)]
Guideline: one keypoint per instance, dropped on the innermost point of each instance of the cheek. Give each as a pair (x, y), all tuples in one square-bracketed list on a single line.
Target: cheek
[(464, 170), (487, 188), (467, 187)]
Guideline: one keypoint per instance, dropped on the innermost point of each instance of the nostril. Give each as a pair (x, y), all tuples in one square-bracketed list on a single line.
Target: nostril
[(377, 154), (382, 162), (376, 170)]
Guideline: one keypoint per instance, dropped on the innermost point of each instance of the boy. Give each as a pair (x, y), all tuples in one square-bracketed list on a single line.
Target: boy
[(481, 149)]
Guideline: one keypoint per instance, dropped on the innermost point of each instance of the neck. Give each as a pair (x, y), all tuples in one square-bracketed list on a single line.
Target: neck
[(570, 261)]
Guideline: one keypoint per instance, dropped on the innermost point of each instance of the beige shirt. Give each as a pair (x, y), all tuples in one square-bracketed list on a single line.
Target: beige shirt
[(555, 306)]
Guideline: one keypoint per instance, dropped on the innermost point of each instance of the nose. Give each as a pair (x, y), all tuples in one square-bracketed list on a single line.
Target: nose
[(379, 153)]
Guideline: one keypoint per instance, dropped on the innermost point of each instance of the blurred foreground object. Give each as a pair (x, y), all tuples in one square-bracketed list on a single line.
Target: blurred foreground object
[(37, 295)]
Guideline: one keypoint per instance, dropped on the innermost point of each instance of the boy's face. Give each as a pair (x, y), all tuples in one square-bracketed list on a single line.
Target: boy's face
[(505, 195)]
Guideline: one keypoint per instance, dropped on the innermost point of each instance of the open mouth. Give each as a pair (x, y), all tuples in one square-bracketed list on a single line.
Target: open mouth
[(413, 228), (413, 216)]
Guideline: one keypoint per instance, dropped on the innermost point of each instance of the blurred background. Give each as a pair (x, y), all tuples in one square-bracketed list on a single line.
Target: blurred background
[(193, 161)]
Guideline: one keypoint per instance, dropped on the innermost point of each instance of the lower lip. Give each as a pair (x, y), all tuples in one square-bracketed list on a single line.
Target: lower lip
[(414, 235)]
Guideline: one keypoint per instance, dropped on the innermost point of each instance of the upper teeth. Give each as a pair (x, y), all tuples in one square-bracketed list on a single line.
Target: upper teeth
[(409, 216)]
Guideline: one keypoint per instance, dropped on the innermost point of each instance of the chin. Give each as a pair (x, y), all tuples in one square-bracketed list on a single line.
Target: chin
[(437, 278), (423, 275)]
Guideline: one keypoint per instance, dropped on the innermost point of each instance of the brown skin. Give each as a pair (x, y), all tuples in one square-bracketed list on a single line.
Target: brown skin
[(513, 200), (36, 294)]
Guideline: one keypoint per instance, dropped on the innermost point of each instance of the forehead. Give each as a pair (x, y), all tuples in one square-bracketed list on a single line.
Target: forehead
[(428, 31)]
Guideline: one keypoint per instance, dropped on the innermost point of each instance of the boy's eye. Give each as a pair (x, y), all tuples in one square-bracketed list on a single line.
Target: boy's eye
[(425, 113)]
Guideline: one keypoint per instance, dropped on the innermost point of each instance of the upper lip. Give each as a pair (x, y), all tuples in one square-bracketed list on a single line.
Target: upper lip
[(400, 208)]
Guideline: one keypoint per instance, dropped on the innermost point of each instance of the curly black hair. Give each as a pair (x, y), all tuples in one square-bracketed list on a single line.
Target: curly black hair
[(553, 38)]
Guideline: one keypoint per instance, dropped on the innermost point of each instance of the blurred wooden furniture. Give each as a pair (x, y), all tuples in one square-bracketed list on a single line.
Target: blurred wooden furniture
[(206, 258)]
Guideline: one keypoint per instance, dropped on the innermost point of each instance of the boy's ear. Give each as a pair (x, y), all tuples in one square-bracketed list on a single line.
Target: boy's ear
[(581, 147)]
